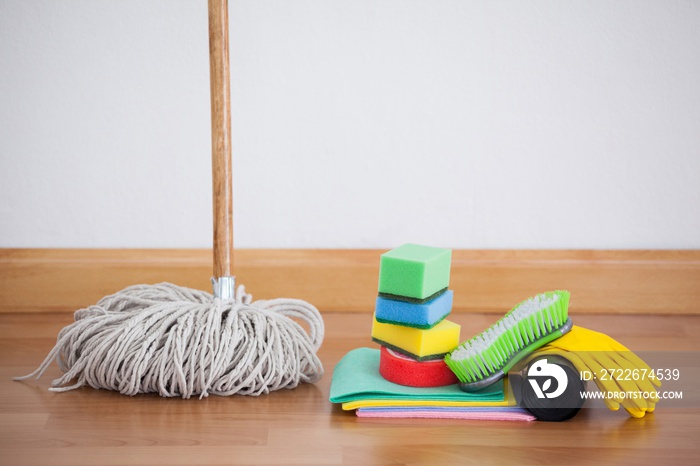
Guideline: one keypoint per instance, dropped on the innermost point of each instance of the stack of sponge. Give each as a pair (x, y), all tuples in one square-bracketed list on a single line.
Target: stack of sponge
[(410, 316)]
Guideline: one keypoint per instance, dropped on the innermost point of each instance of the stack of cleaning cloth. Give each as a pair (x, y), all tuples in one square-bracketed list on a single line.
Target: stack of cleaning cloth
[(357, 385), (407, 377)]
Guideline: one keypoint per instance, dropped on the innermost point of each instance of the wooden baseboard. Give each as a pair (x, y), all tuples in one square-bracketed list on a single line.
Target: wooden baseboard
[(491, 281)]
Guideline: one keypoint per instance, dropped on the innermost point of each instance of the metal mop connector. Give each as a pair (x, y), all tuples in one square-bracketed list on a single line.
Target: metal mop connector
[(224, 287)]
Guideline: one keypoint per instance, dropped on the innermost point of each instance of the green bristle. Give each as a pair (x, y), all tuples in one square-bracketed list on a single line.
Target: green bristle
[(489, 352)]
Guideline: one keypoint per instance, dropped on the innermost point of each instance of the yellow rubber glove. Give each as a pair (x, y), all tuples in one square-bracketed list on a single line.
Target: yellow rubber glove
[(615, 368), (603, 384)]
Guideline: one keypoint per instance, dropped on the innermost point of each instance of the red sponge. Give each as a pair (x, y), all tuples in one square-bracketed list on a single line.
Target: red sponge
[(402, 370)]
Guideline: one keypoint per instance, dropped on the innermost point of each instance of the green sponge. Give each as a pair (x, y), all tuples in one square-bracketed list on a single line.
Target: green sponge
[(414, 271)]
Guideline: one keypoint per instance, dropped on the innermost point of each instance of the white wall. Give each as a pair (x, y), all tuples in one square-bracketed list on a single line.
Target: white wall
[(465, 124)]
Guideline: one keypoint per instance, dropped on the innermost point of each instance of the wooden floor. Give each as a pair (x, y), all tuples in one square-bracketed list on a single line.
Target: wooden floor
[(91, 427)]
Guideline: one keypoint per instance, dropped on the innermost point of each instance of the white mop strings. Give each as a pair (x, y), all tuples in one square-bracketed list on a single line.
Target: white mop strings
[(179, 341)]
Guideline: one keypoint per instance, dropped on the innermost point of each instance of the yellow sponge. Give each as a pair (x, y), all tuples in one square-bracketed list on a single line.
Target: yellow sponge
[(420, 344)]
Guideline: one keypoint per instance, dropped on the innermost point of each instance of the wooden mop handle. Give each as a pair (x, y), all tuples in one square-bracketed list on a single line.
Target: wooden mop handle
[(221, 137)]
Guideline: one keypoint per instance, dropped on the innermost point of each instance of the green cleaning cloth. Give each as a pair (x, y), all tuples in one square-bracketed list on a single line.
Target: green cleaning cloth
[(356, 377)]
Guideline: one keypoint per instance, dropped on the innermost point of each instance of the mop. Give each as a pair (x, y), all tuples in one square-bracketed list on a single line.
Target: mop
[(178, 341)]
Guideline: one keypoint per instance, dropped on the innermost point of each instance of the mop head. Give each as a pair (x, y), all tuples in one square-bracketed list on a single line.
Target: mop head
[(178, 341)]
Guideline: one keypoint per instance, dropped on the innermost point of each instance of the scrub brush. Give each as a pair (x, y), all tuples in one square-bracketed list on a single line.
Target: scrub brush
[(487, 357)]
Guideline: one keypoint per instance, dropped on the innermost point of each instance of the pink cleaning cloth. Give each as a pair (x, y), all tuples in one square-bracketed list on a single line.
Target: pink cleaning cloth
[(431, 412)]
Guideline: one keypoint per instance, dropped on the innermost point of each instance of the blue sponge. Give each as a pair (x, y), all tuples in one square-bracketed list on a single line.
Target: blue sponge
[(425, 315)]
